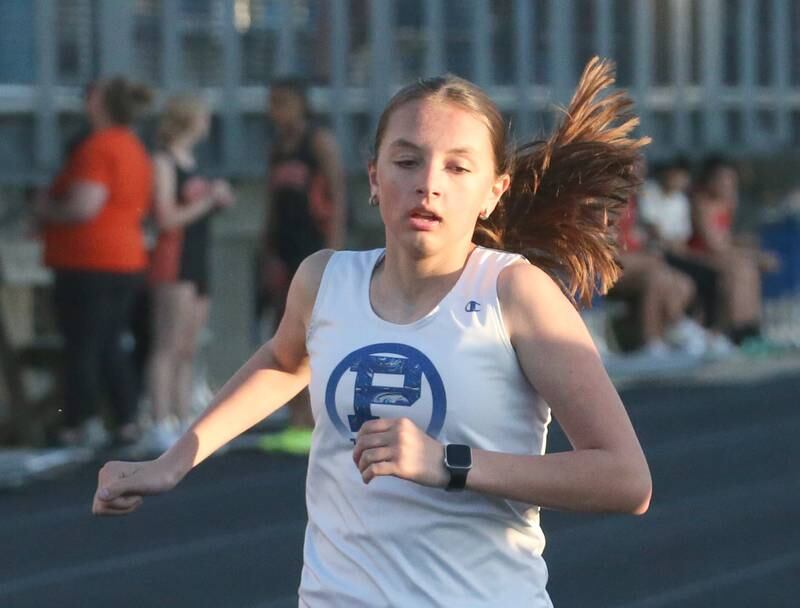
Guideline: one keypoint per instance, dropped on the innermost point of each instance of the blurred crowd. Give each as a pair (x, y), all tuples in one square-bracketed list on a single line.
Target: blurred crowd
[(691, 283), (126, 232)]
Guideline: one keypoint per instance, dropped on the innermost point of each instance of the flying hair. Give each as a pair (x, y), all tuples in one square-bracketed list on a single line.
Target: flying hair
[(568, 191)]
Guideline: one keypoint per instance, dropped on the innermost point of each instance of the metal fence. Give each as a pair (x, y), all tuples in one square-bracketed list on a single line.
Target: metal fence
[(707, 74)]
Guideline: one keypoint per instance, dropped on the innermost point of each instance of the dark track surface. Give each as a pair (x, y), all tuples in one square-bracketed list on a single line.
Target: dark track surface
[(722, 529)]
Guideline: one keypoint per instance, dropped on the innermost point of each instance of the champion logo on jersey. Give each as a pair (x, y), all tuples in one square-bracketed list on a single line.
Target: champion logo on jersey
[(472, 306)]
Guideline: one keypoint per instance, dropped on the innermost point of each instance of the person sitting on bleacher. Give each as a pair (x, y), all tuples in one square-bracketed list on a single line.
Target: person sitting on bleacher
[(714, 203), (660, 294), (666, 216)]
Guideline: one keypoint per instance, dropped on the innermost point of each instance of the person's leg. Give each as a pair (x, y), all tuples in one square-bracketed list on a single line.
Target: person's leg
[(197, 315), (78, 309), (678, 292), (120, 291), (706, 283), (742, 284), (140, 328), (171, 301), (641, 278)]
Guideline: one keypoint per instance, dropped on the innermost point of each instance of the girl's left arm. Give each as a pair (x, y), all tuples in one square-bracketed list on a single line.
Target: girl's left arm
[(605, 471)]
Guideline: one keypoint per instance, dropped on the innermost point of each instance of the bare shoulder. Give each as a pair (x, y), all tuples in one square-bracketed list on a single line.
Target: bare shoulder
[(526, 285), (306, 281), (530, 300)]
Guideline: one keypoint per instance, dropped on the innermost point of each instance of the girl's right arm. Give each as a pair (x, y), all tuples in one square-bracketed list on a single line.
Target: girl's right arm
[(273, 375), (168, 213)]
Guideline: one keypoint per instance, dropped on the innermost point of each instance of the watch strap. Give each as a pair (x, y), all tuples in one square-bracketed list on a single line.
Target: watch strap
[(458, 479)]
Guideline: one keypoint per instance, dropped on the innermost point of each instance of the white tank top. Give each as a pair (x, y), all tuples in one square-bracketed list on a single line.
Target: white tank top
[(455, 374)]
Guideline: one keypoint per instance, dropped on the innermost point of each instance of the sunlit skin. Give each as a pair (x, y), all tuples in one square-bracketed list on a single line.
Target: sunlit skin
[(433, 176)]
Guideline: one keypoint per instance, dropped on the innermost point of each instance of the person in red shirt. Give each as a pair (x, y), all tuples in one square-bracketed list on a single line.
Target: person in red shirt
[(93, 240), (714, 243), (661, 294)]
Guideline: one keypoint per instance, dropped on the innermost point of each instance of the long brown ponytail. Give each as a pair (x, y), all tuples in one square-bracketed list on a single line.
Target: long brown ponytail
[(567, 191)]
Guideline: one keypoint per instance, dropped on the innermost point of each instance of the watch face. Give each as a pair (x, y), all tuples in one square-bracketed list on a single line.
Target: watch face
[(459, 456)]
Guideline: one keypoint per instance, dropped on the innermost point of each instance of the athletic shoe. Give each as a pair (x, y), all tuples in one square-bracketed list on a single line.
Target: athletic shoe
[(155, 441), (720, 347), (655, 349), (94, 434), (292, 440), (688, 336)]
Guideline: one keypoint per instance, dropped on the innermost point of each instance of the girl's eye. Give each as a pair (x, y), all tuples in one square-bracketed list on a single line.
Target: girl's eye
[(406, 163), (459, 169)]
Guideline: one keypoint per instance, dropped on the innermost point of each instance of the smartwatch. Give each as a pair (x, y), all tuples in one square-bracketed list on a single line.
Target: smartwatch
[(458, 460)]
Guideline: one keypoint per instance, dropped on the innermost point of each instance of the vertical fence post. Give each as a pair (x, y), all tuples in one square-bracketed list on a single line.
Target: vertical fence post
[(679, 16), (711, 59), (434, 34), (171, 76), (603, 28), (643, 60), (482, 45), (562, 50), (748, 44), (115, 37), (381, 39), (230, 107), (781, 36), (522, 66), (46, 129), (338, 105), (285, 59)]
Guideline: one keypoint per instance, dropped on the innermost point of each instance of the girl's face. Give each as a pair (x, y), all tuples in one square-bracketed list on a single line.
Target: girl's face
[(434, 175), (94, 103), (285, 108), (199, 129), (724, 183)]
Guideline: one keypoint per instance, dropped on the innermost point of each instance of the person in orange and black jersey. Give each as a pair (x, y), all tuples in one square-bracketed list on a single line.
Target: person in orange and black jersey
[(306, 212)]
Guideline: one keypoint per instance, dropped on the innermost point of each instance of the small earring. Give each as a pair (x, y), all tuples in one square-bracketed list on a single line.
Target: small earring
[(373, 200)]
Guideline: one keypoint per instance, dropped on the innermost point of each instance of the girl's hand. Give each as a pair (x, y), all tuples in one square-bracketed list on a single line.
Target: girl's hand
[(195, 189), (121, 486), (222, 193), (399, 448)]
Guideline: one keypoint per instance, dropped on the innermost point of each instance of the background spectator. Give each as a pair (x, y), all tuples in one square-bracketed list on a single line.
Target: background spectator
[(306, 212), (93, 240), (183, 204), (714, 202), (658, 294), (666, 216)]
